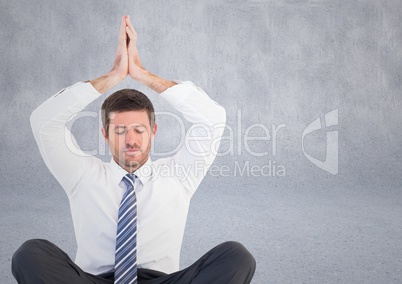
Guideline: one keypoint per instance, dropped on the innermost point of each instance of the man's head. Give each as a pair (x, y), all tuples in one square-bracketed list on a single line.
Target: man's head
[(128, 119)]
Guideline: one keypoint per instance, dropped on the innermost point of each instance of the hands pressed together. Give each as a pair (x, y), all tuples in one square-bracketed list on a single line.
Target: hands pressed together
[(127, 60)]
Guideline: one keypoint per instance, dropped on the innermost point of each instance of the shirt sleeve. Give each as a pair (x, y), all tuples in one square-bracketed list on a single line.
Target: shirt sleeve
[(56, 144), (203, 138)]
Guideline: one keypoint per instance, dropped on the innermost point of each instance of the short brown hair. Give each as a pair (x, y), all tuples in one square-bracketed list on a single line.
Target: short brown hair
[(126, 100)]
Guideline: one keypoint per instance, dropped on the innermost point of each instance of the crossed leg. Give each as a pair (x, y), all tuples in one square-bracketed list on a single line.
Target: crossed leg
[(40, 261)]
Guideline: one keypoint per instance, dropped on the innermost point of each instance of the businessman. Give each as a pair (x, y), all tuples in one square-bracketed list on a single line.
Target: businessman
[(128, 218)]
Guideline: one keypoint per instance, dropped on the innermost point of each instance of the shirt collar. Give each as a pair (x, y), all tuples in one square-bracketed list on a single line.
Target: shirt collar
[(144, 173)]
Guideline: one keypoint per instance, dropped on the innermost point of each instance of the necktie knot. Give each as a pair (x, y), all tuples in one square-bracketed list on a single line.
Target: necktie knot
[(129, 180)]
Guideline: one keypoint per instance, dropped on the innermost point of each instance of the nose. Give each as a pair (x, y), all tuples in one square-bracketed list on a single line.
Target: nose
[(132, 138)]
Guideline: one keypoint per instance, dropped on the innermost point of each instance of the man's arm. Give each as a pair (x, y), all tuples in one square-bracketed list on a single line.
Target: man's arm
[(202, 139), (48, 121)]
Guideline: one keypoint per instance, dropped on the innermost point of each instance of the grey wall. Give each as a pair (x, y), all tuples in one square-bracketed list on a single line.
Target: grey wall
[(268, 63)]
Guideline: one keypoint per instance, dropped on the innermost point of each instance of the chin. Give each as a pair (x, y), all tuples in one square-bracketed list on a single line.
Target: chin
[(131, 163)]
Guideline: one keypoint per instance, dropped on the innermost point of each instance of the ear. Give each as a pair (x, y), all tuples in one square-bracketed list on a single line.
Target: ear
[(154, 130), (104, 135)]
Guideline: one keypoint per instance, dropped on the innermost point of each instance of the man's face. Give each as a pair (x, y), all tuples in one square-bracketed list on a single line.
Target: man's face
[(130, 138)]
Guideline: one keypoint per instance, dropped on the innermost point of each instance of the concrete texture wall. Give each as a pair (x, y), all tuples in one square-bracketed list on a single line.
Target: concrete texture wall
[(327, 210)]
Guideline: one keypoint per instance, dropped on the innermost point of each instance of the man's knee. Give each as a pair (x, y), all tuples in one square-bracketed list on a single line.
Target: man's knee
[(28, 253), (26, 249), (239, 255), (235, 261), (40, 261)]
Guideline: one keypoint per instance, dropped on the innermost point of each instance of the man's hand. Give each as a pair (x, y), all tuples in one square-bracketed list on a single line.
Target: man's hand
[(135, 68), (127, 62), (120, 67)]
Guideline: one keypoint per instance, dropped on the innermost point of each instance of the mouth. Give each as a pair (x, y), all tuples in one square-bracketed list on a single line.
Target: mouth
[(132, 151)]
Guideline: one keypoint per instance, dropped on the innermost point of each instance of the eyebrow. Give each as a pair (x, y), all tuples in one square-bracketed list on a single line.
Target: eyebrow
[(134, 126)]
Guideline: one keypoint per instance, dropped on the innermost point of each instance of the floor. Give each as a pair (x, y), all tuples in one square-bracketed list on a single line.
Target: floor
[(297, 235)]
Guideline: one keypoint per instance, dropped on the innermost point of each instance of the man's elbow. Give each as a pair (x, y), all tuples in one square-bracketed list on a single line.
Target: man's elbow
[(221, 115), (34, 120)]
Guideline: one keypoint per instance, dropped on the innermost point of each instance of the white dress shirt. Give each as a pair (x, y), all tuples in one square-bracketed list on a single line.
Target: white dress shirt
[(94, 188)]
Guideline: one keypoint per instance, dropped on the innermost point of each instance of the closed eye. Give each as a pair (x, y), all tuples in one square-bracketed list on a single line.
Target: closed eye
[(120, 130)]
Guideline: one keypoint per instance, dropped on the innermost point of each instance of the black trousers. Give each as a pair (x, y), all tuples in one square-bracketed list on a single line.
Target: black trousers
[(40, 261)]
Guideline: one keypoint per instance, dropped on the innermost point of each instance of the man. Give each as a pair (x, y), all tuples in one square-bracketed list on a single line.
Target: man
[(128, 220)]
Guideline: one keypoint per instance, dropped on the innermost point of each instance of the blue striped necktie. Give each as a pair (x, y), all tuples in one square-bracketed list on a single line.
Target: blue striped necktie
[(126, 238)]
